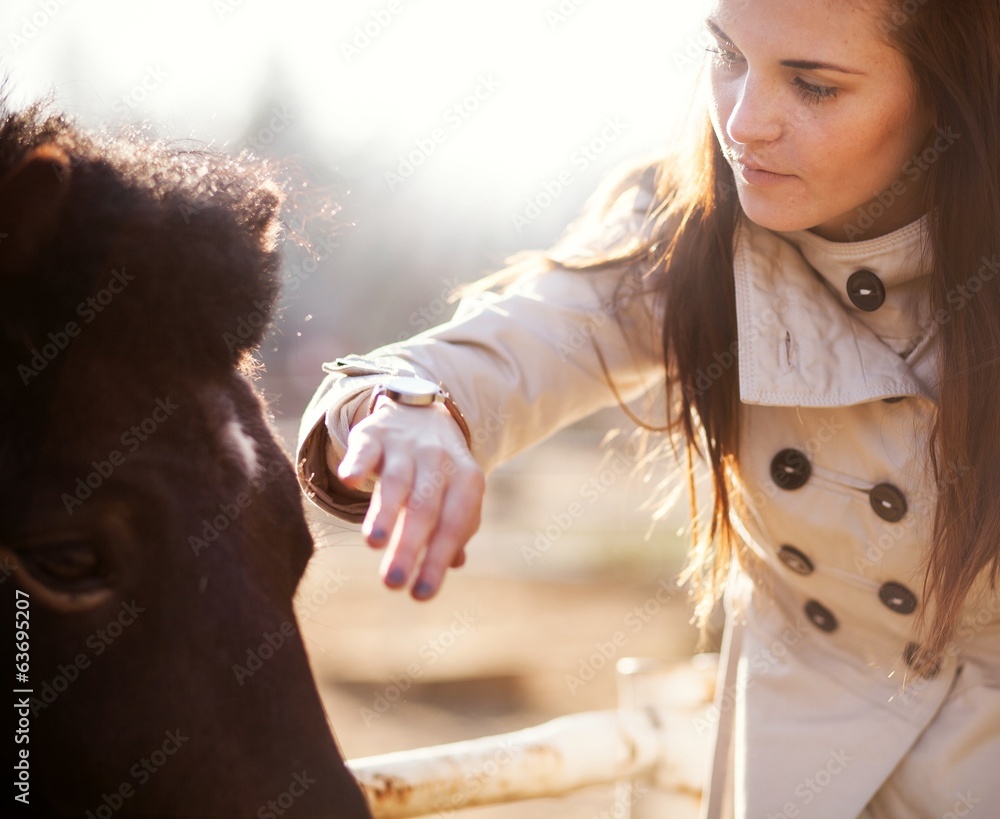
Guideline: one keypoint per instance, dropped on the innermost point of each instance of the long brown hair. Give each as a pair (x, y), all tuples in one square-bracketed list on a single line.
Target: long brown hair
[(953, 47)]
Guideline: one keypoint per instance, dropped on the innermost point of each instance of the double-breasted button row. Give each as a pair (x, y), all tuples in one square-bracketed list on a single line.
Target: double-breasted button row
[(895, 596), (866, 291), (791, 470), (821, 616), (888, 502), (796, 560), (898, 598)]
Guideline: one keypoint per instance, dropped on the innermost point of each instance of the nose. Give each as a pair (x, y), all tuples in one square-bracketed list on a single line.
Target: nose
[(754, 117)]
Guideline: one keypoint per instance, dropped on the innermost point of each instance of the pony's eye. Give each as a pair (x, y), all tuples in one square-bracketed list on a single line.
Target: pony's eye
[(65, 564)]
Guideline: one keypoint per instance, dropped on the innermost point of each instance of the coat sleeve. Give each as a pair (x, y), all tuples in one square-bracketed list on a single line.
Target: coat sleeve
[(556, 345)]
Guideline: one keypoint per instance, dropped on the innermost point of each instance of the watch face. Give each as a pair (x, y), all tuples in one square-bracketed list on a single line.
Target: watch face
[(411, 390)]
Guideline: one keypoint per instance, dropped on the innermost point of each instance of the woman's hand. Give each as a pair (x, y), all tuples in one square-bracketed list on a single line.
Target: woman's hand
[(428, 496)]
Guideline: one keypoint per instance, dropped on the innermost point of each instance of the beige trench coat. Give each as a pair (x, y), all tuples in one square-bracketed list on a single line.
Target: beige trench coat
[(818, 713)]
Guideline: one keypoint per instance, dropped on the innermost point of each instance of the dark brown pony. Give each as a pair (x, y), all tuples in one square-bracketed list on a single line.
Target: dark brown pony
[(151, 529)]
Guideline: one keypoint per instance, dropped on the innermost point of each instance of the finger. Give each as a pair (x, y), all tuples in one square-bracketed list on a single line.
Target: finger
[(362, 460), (415, 527), (388, 499), (459, 560), (458, 521)]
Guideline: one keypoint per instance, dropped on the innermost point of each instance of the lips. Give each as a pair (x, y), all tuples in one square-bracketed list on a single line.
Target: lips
[(749, 164), (757, 174)]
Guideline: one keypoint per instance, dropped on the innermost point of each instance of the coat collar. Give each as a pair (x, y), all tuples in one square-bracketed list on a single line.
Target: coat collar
[(803, 343)]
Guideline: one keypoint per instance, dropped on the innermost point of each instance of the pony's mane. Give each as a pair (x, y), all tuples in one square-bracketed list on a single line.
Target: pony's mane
[(189, 235)]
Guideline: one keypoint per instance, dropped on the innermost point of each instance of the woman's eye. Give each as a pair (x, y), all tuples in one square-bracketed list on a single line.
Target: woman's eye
[(65, 564), (723, 57), (814, 93)]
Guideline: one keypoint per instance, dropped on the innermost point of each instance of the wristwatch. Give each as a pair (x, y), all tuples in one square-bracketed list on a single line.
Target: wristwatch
[(411, 391)]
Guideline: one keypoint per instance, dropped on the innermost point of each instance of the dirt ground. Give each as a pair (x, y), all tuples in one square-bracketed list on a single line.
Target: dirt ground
[(561, 582)]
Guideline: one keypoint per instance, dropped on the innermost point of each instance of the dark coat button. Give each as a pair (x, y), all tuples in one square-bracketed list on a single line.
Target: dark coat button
[(821, 616), (790, 469), (898, 598), (929, 670), (795, 560), (866, 291), (888, 502)]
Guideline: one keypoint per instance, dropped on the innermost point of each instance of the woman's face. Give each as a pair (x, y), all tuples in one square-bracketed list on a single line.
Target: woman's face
[(817, 115)]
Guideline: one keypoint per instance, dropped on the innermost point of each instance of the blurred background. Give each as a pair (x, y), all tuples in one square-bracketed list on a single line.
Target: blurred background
[(448, 134)]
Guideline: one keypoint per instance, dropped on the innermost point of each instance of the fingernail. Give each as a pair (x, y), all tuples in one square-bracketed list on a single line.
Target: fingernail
[(423, 590), (396, 577), (379, 534)]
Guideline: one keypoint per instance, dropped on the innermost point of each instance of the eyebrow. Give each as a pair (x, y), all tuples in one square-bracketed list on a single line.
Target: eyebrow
[(802, 65)]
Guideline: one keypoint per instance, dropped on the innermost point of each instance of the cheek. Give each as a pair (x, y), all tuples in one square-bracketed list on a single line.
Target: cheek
[(885, 146)]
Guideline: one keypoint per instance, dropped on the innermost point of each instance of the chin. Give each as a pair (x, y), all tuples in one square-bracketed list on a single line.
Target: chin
[(774, 216)]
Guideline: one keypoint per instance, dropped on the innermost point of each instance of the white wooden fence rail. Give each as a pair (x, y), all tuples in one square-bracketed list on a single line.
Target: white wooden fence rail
[(654, 746)]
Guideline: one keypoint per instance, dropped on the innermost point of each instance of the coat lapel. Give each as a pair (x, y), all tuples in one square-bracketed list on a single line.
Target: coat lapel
[(800, 346)]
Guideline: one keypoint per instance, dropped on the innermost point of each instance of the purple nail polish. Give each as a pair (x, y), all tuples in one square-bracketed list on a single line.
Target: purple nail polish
[(379, 534), (396, 577), (423, 590)]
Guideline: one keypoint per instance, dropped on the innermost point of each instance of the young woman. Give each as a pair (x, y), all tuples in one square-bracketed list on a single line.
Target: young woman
[(816, 290)]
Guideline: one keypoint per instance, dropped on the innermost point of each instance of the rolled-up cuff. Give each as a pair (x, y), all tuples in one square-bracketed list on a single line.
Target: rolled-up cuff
[(326, 426)]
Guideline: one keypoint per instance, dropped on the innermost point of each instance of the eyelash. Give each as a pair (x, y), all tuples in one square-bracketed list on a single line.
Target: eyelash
[(814, 93), (809, 92), (727, 59)]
